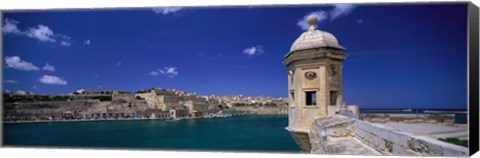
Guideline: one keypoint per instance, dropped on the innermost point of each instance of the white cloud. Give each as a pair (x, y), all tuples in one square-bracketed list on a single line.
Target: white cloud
[(341, 10), (321, 15), (153, 73), (64, 40), (65, 43), (166, 10), (87, 42), (49, 67), (18, 64), (10, 81), (53, 80), (255, 50), (10, 26), (42, 33), (169, 71)]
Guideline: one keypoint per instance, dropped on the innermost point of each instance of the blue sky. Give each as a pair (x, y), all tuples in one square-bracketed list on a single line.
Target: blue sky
[(399, 55)]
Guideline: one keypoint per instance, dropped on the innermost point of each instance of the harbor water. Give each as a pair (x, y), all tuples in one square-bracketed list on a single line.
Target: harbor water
[(239, 133)]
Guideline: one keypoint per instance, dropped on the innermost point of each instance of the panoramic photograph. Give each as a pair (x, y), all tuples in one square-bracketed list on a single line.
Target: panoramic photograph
[(342, 79)]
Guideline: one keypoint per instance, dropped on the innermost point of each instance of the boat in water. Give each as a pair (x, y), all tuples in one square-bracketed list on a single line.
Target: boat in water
[(173, 119)]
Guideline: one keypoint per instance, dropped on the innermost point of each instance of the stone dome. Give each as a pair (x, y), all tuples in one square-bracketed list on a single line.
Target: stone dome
[(314, 38)]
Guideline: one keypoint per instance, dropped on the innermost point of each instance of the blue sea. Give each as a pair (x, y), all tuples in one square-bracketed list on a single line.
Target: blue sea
[(239, 133)]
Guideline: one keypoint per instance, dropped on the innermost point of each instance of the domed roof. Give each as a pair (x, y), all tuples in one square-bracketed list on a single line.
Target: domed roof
[(314, 38)]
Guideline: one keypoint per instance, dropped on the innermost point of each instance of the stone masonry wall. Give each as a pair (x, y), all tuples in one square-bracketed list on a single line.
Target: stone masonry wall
[(391, 142)]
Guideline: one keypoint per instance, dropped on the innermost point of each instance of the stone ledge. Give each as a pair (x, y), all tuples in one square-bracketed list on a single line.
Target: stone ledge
[(391, 142), (335, 135)]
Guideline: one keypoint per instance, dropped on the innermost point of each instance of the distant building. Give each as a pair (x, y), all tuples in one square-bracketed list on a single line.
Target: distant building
[(90, 92), (154, 100)]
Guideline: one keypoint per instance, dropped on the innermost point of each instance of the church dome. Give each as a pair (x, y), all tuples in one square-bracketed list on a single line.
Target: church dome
[(314, 38)]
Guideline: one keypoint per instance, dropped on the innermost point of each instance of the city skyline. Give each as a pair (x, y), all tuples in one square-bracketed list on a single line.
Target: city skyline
[(409, 55)]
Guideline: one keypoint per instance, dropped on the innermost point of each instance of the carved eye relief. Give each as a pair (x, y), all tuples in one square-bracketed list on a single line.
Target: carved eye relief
[(310, 75)]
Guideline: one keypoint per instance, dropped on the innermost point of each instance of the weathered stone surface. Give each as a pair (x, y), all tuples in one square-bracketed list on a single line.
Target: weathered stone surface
[(334, 127), (302, 139), (351, 111), (388, 146), (424, 148), (388, 141), (347, 147), (399, 150), (441, 148), (335, 135)]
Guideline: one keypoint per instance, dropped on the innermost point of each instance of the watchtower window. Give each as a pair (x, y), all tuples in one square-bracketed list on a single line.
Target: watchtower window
[(333, 97), (311, 98)]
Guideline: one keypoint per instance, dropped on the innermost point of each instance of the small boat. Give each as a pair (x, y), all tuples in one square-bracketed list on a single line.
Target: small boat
[(173, 119)]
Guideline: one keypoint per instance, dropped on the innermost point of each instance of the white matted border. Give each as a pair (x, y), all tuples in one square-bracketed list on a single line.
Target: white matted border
[(9, 5)]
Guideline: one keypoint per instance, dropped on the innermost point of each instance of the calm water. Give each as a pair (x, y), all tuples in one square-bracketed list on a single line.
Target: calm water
[(243, 133)]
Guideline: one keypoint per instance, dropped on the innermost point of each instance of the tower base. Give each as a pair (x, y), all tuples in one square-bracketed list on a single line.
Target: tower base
[(302, 138)]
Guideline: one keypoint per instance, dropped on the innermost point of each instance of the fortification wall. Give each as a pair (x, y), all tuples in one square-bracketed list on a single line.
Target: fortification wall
[(390, 142), (263, 111), (51, 106), (382, 139), (442, 119)]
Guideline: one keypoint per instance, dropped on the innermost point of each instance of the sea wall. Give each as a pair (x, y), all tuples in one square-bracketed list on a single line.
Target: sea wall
[(390, 142), (263, 110), (443, 119)]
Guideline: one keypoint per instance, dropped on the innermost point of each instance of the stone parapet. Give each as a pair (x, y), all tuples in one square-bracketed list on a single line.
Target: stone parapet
[(344, 134), (350, 111), (390, 142), (336, 135)]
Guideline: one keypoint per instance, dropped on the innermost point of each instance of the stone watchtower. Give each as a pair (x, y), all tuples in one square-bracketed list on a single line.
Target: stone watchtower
[(314, 80)]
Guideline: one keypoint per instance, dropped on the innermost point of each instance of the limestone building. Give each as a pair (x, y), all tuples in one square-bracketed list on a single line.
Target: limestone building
[(314, 80)]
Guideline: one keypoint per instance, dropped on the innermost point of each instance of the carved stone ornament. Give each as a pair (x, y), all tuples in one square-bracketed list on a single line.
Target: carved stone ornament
[(333, 70), (310, 75)]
